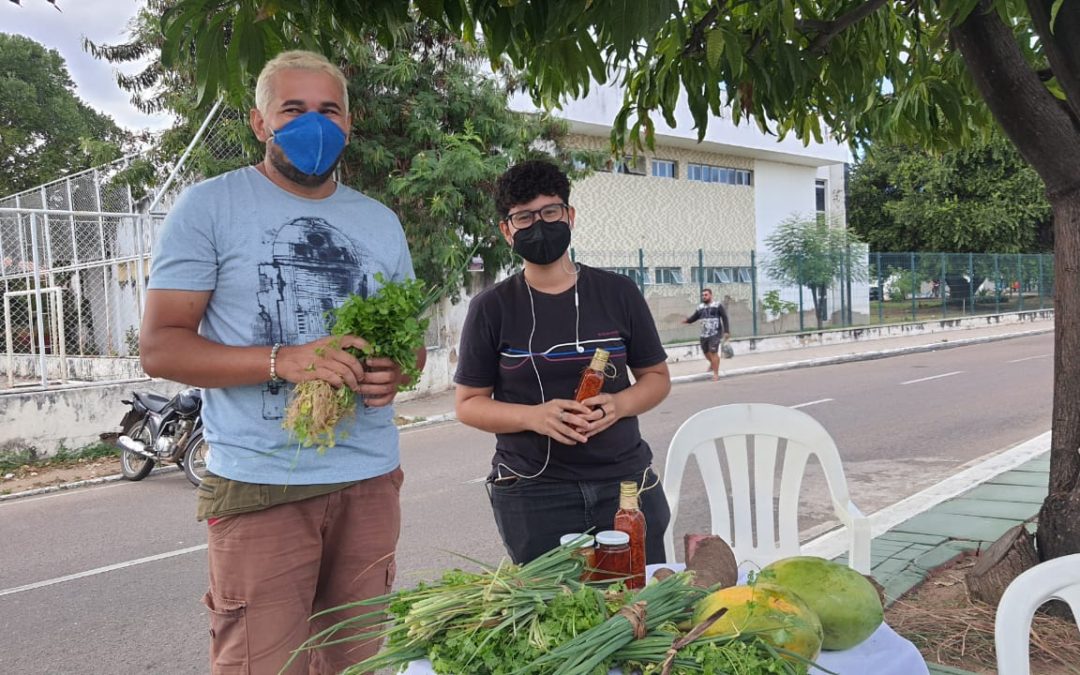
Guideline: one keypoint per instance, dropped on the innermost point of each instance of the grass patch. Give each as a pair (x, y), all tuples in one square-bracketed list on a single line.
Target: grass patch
[(15, 455)]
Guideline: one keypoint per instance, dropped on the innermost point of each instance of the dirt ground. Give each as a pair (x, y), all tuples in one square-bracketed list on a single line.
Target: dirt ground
[(952, 630), (29, 477)]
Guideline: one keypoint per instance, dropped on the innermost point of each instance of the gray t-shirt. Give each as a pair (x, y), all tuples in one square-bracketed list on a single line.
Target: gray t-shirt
[(276, 263)]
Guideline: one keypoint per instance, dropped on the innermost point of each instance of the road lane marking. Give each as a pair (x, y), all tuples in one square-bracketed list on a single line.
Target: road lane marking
[(933, 377), (101, 570), (1028, 358), (810, 403)]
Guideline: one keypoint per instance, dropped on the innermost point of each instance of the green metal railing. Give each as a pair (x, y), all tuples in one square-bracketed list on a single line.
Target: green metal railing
[(866, 289)]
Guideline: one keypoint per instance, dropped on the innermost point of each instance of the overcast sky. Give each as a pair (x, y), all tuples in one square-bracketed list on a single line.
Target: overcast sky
[(103, 21)]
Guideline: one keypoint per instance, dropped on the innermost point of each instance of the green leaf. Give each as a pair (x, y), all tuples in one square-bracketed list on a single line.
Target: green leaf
[(714, 46), (1054, 12)]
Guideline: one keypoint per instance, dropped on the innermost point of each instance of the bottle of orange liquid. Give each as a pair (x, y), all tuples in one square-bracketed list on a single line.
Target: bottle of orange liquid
[(631, 520), (593, 377)]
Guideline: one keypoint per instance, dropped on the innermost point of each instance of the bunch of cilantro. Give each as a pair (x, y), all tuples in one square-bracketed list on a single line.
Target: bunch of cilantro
[(391, 321)]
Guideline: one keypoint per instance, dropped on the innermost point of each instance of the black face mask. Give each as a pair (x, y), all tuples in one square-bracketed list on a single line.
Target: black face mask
[(543, 243)]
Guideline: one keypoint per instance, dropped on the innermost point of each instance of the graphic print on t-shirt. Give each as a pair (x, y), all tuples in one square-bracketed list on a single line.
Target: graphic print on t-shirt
[(563, 356), (314, 267)]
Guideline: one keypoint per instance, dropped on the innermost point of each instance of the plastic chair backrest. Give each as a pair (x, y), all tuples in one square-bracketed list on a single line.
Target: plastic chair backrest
[(1056, 579), (724, 431)]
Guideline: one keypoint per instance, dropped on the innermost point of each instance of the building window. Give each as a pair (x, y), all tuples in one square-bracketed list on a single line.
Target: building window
[(822, 190), (635, 273), (707, 173), (634, 166), (663, 168), (668, 275), (721, 275)]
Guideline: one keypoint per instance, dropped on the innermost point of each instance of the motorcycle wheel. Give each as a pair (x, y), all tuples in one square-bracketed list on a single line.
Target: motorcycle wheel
[(134, 466), (195, 458)]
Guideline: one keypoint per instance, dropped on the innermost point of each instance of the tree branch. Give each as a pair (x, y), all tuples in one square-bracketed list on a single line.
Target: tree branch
[(1031, 117), (830, 29), (1061, 45), (695, 44)]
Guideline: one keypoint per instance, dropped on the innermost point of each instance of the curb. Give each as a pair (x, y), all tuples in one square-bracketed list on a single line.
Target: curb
[(79, 483)]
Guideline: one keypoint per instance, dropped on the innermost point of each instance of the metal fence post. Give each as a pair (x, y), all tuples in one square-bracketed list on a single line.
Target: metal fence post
[(914, 290), (753, 290), (941, 288), (880, 292), (971, 282), (997, 286), (1040, 281), (37, 300), (1020, 278), (641, 269), (798, 280), (701, 271)]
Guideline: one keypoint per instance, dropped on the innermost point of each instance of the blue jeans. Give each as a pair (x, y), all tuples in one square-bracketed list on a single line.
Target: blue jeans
[(532, 514)]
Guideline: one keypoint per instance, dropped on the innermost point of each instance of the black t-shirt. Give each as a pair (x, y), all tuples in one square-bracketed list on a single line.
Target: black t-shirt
[(495, 352), (711, 316)]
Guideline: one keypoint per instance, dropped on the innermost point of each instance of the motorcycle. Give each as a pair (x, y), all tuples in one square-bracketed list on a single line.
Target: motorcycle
[(159, 429)]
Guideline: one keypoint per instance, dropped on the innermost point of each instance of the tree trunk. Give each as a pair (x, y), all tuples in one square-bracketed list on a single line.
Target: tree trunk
[(995, 569), (1047, 133), (820, 298), (1059, 518)]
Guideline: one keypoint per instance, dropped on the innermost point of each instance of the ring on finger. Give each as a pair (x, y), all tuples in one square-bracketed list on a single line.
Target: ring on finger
[(603, 413), (562, 415)]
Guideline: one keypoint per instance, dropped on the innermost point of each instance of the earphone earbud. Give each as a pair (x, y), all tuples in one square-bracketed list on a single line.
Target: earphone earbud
[(580, 349)]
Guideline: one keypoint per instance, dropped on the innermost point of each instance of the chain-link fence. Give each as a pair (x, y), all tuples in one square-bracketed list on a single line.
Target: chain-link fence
[(851, 288), (920, 286)]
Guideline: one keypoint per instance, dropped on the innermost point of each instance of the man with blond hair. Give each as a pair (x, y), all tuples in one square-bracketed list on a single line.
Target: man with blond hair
[(245, 269)]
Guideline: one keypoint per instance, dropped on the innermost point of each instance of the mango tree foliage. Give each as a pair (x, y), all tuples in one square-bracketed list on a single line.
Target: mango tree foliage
[(931, 72), (46, 131), (431, 132), (983, 198)]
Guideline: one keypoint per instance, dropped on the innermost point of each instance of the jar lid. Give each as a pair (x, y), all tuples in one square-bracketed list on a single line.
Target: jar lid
[(570, 538), (612, 538)]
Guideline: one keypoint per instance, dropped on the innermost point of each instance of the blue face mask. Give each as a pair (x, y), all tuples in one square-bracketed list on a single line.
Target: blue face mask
[(311, 142)]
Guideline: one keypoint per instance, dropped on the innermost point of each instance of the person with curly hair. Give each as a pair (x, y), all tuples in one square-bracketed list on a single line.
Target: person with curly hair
[(558, 463)]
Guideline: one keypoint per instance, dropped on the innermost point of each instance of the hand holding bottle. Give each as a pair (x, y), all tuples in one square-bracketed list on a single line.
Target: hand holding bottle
[(561, 419), (604, 412)]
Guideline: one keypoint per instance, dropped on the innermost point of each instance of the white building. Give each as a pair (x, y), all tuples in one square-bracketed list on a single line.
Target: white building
[(649, 217)]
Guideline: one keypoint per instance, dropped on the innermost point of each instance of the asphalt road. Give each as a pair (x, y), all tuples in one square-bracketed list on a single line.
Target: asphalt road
[(107, 579)]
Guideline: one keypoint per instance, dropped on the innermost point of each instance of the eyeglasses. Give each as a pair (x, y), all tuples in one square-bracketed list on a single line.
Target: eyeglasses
[(549, 214)]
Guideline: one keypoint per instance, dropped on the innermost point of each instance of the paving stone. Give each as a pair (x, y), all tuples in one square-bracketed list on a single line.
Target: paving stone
[(900, 584), (1030, 478), (1007, 493), (891, 567), (911, 537), (1018, 511), (942, 554), (955, 526)]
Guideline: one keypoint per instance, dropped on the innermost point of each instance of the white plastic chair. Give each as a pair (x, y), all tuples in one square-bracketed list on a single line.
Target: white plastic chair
[(724, 430), (1056, 579)]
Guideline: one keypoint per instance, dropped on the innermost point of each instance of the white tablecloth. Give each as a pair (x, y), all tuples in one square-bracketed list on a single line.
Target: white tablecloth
[(883, 653)]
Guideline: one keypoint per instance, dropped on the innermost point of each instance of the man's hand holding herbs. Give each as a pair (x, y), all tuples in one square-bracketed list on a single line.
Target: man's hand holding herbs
[(324, 359), (561, 419), (381, 381)]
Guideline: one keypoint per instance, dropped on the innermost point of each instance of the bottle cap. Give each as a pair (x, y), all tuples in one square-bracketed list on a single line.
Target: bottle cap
[(612, 538), (628, 488), (599, 359)]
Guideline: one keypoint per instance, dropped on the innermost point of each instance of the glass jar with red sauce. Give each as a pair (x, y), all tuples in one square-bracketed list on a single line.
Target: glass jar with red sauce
[(612, 555)]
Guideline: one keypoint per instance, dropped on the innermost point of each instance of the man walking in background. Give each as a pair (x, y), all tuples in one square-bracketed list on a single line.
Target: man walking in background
[(714, 328)]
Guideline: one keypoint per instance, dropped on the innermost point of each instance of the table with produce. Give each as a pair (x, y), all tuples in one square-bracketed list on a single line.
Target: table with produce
[(558, 616)]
